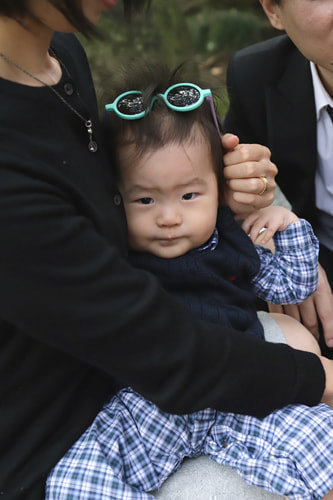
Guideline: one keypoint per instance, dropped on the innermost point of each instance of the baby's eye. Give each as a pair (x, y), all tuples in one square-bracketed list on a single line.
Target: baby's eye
[(189, 196), (145, 201)]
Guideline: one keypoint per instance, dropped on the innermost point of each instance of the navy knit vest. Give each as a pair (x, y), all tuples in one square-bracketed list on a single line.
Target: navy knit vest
[(214, 284)]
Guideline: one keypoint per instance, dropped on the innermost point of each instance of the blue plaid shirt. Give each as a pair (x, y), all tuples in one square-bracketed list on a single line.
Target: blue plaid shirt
[(290, 275)]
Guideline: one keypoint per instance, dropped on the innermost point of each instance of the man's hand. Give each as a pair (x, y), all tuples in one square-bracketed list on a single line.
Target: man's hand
[(245, 167), (319, 305)]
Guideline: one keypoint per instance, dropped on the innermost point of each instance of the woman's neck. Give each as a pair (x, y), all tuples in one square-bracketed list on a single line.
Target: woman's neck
[(28, 48)]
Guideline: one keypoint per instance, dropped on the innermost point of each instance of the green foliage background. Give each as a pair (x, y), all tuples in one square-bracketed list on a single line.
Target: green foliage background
[(205, 32)]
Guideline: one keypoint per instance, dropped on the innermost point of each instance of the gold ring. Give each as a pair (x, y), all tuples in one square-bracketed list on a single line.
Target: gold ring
[(266, 185)]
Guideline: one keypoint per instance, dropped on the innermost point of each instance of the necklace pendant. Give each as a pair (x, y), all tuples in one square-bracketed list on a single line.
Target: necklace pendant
[(92, 146)]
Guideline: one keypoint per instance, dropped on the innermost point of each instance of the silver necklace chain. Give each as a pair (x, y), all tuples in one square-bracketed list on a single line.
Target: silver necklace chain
[(92, 146)]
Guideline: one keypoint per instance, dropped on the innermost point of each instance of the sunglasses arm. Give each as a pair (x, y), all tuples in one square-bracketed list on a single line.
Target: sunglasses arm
[(212, 107)]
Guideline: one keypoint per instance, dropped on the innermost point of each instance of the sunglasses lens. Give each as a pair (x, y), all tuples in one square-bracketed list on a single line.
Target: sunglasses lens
[(183, 96), (131, 104)]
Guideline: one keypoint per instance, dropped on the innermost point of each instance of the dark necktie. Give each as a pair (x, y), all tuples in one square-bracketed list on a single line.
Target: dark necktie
[(330, 111)]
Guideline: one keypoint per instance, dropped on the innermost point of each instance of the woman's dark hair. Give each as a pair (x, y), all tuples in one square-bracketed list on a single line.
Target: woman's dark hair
[(131, 6), (71, 9), (161, 126)]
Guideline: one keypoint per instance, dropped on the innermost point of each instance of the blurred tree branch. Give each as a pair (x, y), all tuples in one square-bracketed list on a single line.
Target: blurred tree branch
[(204, 31)]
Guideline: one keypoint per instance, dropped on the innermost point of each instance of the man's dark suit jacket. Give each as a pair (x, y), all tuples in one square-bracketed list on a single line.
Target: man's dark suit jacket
[(272, 103)]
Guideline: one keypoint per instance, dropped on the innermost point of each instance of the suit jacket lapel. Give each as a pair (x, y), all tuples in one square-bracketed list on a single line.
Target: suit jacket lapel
[(292, 97)]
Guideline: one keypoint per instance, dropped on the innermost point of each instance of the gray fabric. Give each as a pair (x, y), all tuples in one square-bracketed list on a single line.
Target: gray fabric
[(202, 479), (280, 199), (272, 331)]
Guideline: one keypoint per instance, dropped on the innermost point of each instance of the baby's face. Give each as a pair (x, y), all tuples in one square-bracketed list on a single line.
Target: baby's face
[(170, 198)]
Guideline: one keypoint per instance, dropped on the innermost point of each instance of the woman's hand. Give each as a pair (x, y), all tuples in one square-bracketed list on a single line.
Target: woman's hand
[(249, 174)]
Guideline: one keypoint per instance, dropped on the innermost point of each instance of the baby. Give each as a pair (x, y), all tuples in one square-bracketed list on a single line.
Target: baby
[(170, 172)]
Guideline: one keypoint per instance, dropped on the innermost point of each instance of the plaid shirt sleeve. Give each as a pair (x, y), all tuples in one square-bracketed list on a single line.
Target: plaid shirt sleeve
[(290, 275)]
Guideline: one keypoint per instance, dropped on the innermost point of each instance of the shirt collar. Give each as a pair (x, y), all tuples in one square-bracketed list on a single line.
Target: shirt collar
[(212, 243), (322, 97)]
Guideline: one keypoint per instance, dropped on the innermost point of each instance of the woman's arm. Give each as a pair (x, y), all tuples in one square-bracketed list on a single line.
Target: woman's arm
[(66, 286)]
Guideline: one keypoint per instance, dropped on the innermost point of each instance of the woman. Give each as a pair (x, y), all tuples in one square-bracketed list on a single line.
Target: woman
[(77, 322)]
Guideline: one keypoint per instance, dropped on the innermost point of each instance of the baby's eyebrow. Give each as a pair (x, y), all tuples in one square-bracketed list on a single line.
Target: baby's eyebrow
[(138, 187), (193, 182)]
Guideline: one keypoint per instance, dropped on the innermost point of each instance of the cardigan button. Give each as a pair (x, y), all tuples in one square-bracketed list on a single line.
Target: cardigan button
[(117, 199), (68, 88)]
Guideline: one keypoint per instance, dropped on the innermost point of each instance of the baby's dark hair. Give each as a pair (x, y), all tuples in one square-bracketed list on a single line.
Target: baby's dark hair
[(161, 125)]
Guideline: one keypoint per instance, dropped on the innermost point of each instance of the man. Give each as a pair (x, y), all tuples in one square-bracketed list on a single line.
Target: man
[(279, 92)]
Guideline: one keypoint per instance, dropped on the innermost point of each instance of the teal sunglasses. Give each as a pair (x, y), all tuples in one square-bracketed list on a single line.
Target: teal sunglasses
[(179, 97)]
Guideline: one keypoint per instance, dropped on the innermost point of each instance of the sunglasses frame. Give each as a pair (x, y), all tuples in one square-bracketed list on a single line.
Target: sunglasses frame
[(203, 94)]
